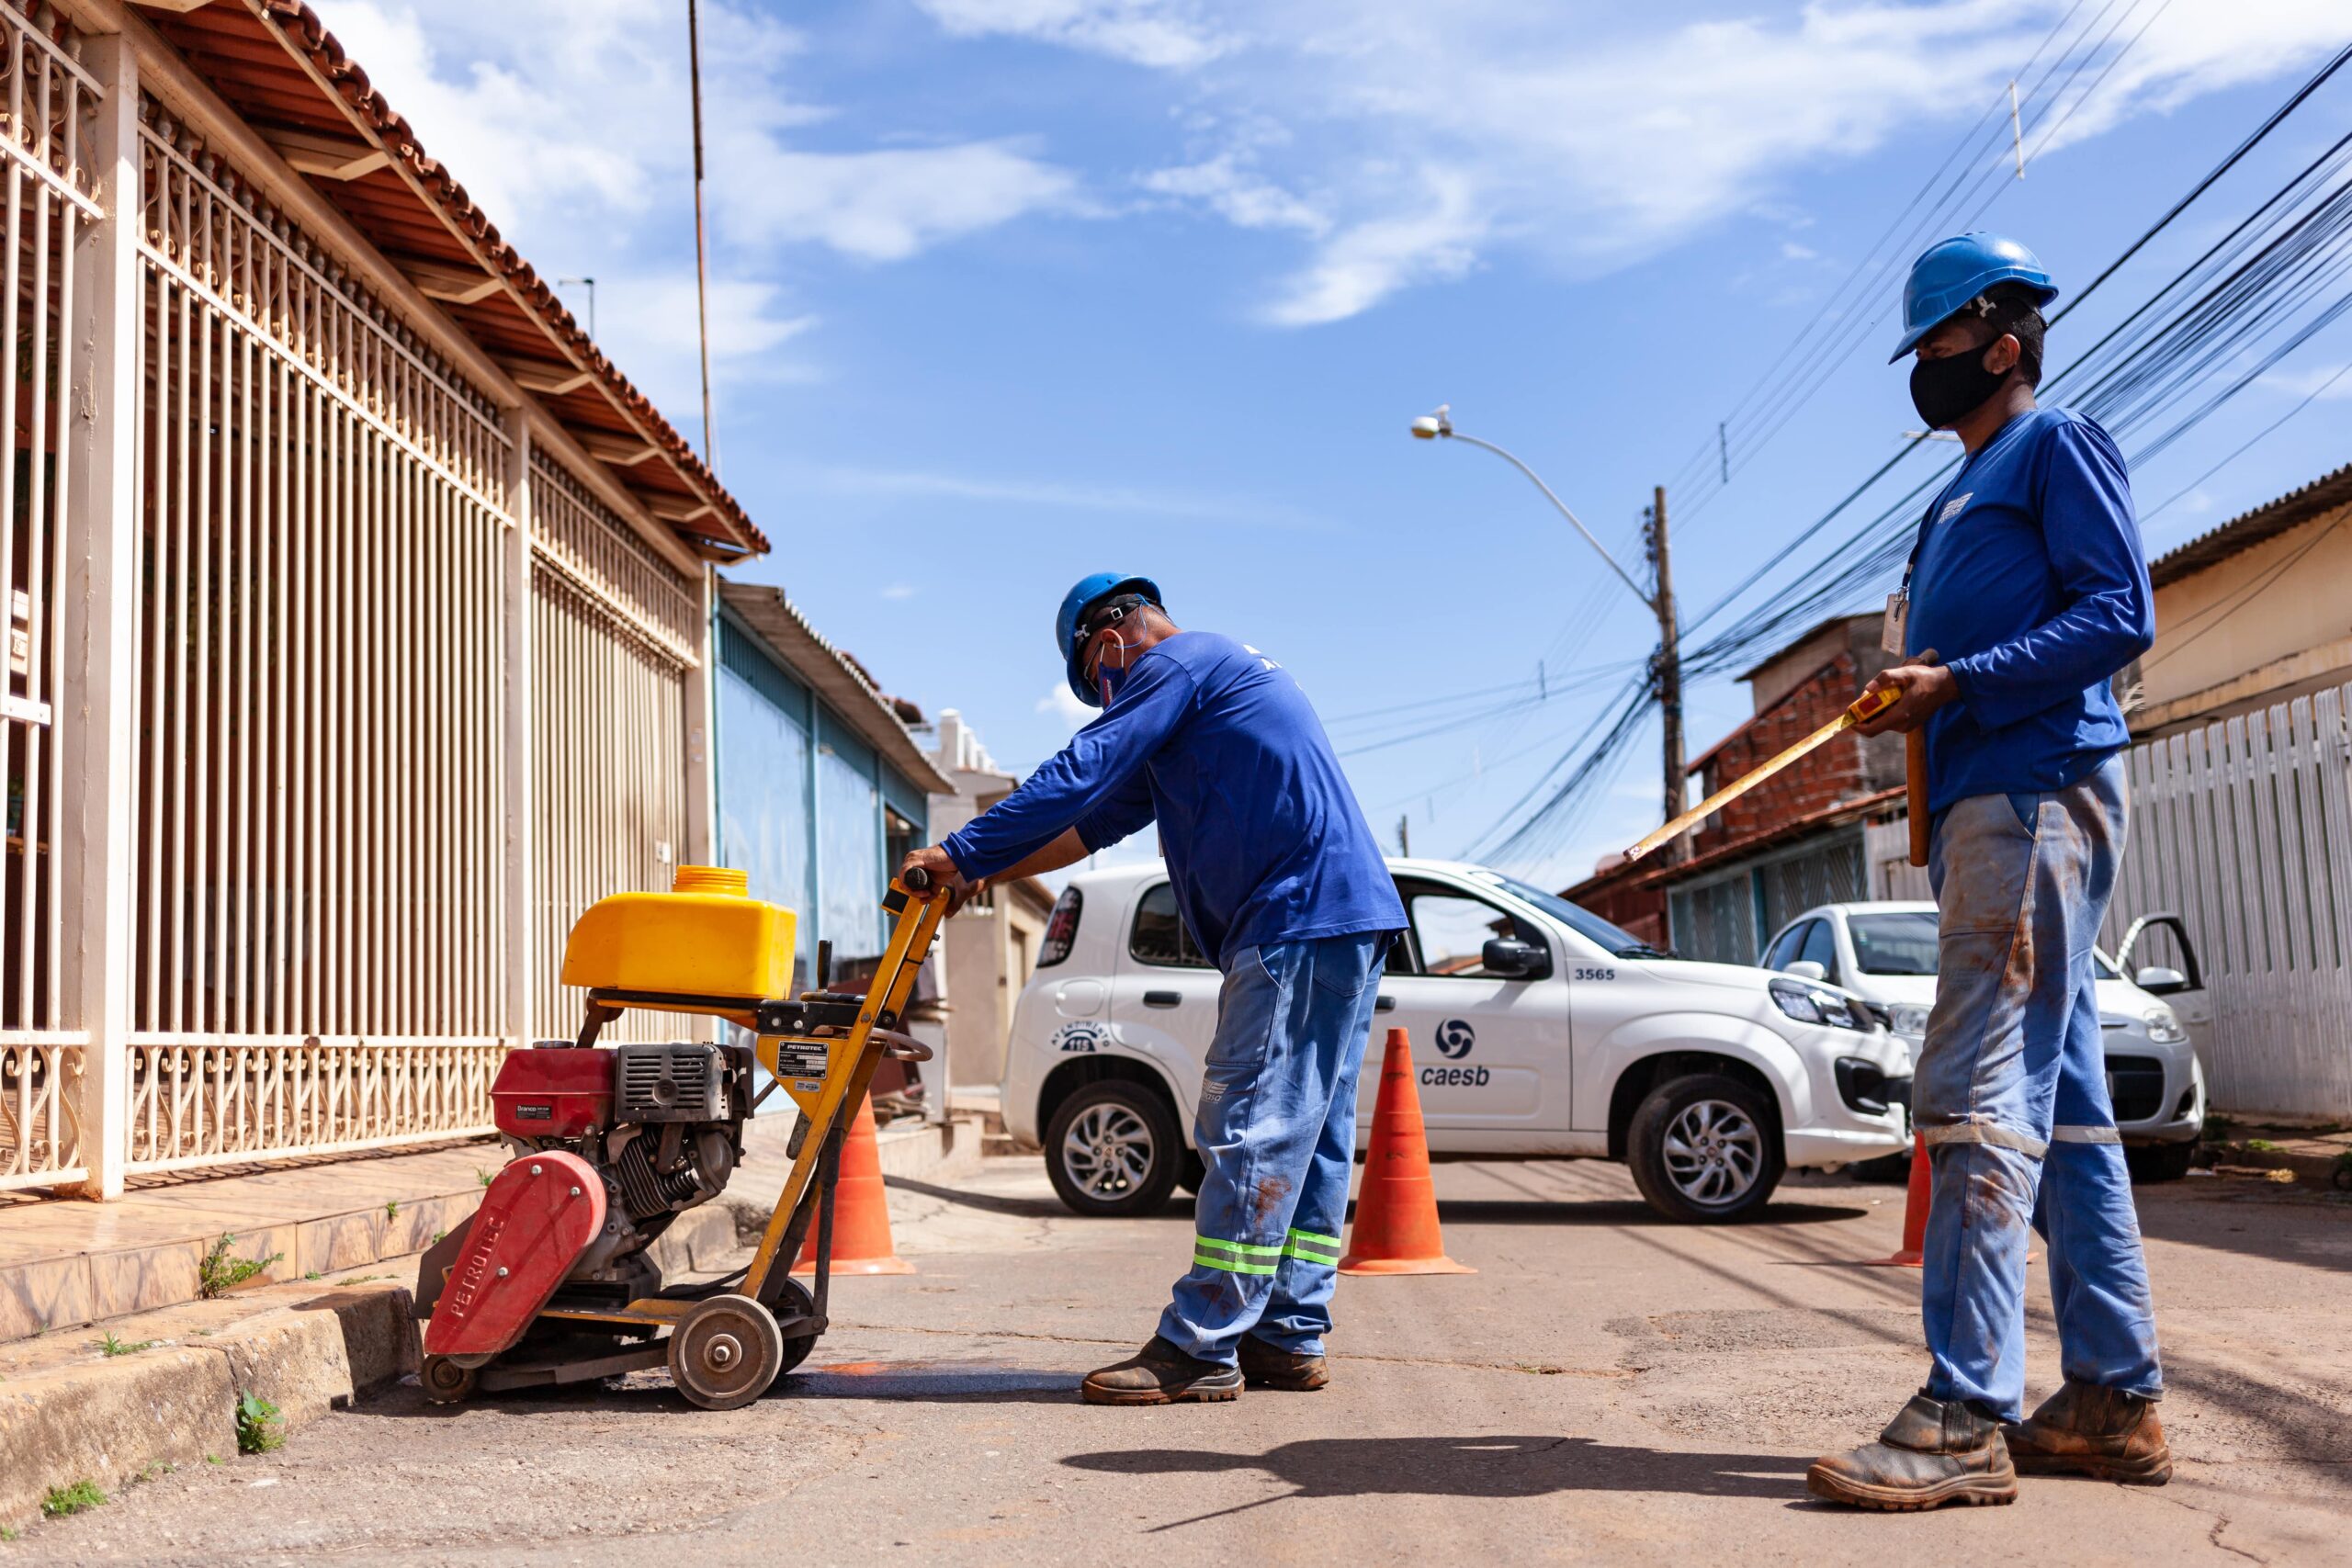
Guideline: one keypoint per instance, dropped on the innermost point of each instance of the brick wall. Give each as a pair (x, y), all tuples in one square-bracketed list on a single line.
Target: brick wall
[(1838, 771)]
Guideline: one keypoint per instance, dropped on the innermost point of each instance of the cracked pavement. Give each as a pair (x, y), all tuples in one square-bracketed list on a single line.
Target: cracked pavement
[(1606, 1389)]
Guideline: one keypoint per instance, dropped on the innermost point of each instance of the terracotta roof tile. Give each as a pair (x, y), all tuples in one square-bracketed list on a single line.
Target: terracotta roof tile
[(298, 27)]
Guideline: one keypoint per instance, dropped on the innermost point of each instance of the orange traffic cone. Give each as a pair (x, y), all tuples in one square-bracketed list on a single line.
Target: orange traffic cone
[(861, 1213), (1914, 1213), (1395, 1230)]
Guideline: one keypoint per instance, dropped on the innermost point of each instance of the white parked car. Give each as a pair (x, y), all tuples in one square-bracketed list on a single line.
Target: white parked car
[(1538, 1031), (1885, 954)]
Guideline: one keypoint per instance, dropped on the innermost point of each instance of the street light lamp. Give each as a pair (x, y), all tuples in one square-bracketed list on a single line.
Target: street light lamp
[(571, 282), (1439, 424)]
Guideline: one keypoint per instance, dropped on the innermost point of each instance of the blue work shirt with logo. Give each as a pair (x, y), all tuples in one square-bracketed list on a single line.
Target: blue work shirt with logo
[(2030, 584), (1263, 838)]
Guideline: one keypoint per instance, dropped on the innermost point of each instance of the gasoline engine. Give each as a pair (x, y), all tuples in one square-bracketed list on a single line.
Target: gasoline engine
[(551, 1281)]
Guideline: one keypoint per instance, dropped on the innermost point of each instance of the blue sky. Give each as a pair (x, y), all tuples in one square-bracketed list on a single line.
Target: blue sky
[(1007, 290)]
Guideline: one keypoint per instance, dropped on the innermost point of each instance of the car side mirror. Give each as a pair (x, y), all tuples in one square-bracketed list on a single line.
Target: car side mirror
[(2159, 981), (1508, 958), (1805, 969)]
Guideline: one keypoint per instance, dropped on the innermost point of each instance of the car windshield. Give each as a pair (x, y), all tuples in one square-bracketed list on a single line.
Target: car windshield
[(1895, 944), (1905, 943), (1617, 940)]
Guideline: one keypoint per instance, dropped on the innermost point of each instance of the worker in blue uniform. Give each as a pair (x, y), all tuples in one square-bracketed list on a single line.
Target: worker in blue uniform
[(1279, 880), (2029, 584)]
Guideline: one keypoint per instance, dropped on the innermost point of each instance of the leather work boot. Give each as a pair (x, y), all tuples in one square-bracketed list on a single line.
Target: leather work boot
[(1933, 1452), (2084, 1429), (1160, 1374), (1264, 1366)]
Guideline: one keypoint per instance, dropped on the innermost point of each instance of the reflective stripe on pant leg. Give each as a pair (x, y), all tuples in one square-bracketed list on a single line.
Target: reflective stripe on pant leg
[(2085, 1135), (1982, 1130), (1311, 1248), (1234, 1257)]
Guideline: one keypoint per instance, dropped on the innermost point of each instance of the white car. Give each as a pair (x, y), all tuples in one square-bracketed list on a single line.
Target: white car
[(1885, 954), (1538, 1031)]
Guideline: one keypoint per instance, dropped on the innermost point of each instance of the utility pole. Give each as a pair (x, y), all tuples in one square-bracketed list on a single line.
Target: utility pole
[(1405, 835), (1669, 669), (701, 244)]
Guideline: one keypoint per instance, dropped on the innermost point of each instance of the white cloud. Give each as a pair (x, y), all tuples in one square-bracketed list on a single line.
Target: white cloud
[(1060, 496), (884, 205), (1236, 195), (1167, 34), (1063, 704), (898, 591), (2324, 382), (1433, 136)]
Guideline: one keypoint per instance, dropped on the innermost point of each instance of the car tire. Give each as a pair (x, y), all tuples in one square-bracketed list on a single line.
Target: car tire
[(1111, 1149), (2152, 1163), (1706, 1150)]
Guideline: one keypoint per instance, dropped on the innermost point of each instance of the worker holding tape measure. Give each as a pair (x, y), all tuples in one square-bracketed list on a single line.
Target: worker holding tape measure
[(2029, 581)]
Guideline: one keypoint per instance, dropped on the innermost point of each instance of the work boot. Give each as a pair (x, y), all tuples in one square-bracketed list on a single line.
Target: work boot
[(1160, 1374), (2084, 1429), (1264, 1366), (1934, 1451)]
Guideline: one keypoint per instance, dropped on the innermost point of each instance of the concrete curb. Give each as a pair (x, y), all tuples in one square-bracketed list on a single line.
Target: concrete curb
[(308, 1349), (2323, 1171), (68, 1414)]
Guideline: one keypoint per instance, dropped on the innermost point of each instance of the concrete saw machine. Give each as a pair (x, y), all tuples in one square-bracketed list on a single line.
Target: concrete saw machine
[(551, 1280)]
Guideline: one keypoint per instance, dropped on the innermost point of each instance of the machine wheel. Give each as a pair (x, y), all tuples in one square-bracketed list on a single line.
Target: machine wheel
[(1704, 1149), (444, 1382), (2159, 1162), (796, 1299), (726, 1352), (1112, 1149)]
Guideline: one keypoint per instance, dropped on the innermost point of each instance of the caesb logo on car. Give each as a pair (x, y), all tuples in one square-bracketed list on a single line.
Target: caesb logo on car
[(1455, 1037)]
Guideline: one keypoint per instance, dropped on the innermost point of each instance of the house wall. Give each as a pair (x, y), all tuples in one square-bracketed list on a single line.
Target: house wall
[(2267, 623), (1844, 768)]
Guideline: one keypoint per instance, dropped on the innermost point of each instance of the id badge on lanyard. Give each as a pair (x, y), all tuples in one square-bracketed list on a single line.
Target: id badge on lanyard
[(1898, 620)]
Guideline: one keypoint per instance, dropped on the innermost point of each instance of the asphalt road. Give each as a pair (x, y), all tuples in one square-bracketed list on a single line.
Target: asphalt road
[(1606, 1389)]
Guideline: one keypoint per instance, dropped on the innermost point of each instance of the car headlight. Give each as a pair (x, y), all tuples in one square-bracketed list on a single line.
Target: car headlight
[(2163, 1026), (1811, 1004), (1908, 1020)]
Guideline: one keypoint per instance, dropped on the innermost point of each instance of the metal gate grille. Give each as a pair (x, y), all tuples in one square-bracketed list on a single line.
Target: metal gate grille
[(2244, 828), (319, 935), (50, 196), (610, 640)]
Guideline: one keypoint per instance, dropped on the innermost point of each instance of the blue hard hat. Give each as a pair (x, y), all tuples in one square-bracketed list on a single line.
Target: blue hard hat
[(1952, 272), (1088, 591)]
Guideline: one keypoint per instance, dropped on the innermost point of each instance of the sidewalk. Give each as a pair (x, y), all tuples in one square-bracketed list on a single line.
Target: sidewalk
[(64, 1261), (2319, 1156)]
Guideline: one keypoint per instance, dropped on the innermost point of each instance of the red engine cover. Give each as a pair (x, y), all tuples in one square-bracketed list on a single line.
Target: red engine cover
[(539, 1213), (553, 1092)]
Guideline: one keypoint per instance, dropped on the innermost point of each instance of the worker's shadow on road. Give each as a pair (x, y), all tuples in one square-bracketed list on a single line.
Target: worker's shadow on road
[(1464, 1467), (1620, 1212)]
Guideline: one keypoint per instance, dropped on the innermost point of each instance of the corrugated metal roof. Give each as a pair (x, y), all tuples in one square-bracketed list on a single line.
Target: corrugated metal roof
[(277, 66), (2248, 529), (839, 680)]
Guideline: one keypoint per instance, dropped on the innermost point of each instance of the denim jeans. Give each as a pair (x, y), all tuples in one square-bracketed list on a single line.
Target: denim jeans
[(2010, 1094), (1277, 1132)]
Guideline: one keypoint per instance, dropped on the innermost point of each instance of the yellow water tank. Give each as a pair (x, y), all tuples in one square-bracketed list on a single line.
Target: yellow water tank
[(705, 937)]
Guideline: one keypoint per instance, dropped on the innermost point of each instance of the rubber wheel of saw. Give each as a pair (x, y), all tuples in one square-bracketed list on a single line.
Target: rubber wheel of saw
[(726, 1352), (444, 1382), (797, 1298)]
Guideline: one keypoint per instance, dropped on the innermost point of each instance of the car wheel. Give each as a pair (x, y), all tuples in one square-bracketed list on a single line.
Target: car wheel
[(2159, 1162), (1111, 1149), (1704, 1149)]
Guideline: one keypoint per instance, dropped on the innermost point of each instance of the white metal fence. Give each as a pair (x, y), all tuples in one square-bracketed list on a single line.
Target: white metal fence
[(314, 749), (612, 638), (2243, 828), (50, 203)]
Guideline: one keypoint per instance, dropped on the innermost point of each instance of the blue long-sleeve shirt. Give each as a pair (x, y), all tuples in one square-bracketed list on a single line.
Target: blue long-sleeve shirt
[(1265, 839), (2030, 584)]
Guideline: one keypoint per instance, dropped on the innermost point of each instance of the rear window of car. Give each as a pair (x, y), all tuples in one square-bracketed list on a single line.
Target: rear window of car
[(1158, 936), (1893, 944)]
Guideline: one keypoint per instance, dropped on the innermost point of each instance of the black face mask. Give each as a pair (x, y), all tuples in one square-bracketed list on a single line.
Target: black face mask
[(1948, 390)]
